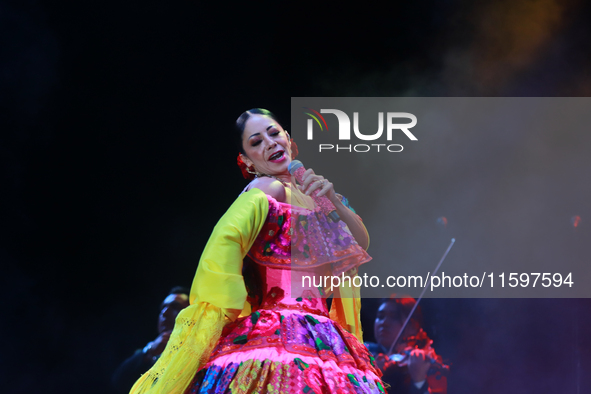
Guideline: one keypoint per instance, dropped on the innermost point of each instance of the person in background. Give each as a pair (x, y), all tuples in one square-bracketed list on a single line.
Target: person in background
[(143, 359), (415, 369)]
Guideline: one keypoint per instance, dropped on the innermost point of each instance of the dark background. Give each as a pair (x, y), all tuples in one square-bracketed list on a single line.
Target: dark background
[(117, 159)]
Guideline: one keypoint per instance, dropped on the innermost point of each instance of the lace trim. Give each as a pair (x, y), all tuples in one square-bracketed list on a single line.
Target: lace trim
[(196, 331)]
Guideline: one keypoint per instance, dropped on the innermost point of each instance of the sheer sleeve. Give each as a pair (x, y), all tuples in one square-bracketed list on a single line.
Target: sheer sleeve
[(346, 203), (218, 295)]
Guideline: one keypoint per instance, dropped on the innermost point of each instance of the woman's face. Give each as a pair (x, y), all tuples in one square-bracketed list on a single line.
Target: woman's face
[(266, 145)]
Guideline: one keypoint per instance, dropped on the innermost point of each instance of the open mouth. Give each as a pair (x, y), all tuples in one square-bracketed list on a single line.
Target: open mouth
[(277, 155)]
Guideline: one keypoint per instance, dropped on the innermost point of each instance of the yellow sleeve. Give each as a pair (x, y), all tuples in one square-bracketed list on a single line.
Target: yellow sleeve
[(346, 307), (218, 280), (217, 294)]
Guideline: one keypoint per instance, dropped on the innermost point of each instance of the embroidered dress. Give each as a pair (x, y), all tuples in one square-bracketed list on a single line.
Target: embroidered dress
[(285, 340)]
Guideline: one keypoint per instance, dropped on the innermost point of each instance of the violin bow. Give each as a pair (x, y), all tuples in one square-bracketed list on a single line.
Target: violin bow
[(453, 240)]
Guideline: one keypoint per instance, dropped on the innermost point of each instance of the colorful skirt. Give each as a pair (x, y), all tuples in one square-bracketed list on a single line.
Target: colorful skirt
[(288, 349)]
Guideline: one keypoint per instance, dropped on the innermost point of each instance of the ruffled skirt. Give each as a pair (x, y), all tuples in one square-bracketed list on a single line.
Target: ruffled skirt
[(288, 349)]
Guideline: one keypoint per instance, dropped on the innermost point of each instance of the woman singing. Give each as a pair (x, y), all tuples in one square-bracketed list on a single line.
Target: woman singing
[(247, 329)]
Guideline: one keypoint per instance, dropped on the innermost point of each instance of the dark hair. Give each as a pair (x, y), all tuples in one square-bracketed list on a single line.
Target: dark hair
[(242, 119), (179, 290), (404, 305)]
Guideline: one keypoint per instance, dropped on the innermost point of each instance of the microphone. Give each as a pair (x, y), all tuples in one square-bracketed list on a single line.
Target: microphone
[(296, 168)]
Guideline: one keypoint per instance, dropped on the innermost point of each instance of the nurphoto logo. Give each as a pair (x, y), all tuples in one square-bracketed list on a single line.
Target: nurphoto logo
[(344, 132)]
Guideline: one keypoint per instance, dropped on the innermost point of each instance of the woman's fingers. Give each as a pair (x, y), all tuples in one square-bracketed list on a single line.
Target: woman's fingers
[(308, 178), (326, 188), (315, 184), (308, 172)]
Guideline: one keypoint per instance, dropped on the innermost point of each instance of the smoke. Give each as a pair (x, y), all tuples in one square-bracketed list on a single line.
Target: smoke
[(508, 38), (490, 48)]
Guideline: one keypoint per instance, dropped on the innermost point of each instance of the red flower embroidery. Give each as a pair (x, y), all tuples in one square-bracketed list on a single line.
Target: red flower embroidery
[(269, 231), (314, 379)]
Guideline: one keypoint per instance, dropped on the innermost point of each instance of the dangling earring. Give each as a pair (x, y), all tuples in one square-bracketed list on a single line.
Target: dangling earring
[(247, 173)]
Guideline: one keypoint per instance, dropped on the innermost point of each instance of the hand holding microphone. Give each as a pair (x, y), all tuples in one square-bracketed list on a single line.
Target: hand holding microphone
[(296, 168)]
